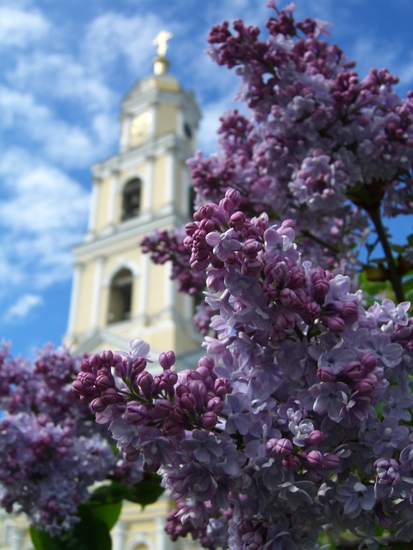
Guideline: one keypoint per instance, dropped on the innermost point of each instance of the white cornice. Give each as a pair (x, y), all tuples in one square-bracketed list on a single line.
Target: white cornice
[(154, 147), (137, 227)]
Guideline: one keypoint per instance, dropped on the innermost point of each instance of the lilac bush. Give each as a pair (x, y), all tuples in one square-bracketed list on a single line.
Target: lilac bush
[(51, 450), (320, 146), (291, 424), (298, 421)]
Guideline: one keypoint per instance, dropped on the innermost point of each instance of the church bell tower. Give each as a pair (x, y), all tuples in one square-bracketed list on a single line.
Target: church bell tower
[(118, 294)]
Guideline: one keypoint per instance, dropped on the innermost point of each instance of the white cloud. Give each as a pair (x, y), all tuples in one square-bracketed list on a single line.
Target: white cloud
[(71, 80), (22, 307), (69, 144), (42, 216), (19, 27), (114, 35)]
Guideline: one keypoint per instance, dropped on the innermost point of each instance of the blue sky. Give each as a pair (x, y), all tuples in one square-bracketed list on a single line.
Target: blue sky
[(65, 68)]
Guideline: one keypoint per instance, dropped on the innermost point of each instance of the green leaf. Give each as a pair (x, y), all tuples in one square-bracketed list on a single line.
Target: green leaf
[(109, 513), (109, 494), (42, 540), (372, 289), (147, 491), (91, 533), (408, 285)]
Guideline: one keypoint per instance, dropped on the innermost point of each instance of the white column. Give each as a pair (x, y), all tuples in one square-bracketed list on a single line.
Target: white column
[(180, 128), (16, 539), (93, 205), (118, 535), (148, 185), (113, 192), (163, 542), (74, 297), (170, 183), (143, 286), (125, 132), (96, 292), (170, 290)]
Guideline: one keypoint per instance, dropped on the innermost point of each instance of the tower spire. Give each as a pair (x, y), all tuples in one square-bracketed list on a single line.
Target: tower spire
[(161, 63)]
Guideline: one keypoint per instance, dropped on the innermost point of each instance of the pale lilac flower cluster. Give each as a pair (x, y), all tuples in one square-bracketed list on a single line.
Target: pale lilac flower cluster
[(51, 450), (302, 418), (320, 146)]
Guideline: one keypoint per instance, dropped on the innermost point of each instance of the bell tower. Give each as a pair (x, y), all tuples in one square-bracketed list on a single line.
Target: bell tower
[(118, 294)]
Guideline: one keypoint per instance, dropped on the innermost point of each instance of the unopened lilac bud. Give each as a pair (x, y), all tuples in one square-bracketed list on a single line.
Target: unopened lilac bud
[(111, 396), (350, 312), (173, 427), (315, 438), (136, 413), (251, 247), (121, 369), (288, 297), (222, 387), (251, 267), (107, 356), (237, 219), (234, 195), (270, 446), (204, 372), (367, 385), (326, 374), (85, 366), (209, 420), (321, 289), (206, 362), (98, 405), (88, 379), (138, 366), (188, 402), (215, 405), (315, 459), (163, 407), (283, 447), (291, 461), (167, 360), (354, 370), (94, 360), (335, 324), (190, 228), (145, 381), (227, 205), (386, 522), (103, 382), (369, 361), (331, 462)]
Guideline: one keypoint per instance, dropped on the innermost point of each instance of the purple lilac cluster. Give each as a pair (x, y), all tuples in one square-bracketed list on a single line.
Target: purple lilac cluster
[(320, 146), (299, 419), (51, 450)]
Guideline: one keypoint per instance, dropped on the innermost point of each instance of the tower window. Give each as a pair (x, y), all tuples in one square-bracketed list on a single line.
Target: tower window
[(187, 130), (191, 201), (131, 199), (120, 297)]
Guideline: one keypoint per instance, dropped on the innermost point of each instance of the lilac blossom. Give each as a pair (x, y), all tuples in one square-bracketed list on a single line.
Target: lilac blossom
[(242, 436), (299, 417), (51, 451)]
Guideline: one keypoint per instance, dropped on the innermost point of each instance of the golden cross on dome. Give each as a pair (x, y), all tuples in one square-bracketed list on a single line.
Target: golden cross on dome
[(161, 41)]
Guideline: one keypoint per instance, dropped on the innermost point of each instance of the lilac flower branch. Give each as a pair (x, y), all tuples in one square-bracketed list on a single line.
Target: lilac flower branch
[(393, 272)]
